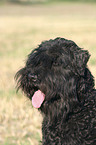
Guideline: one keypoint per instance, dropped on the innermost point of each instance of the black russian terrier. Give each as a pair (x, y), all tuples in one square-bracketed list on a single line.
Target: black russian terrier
[(57, 80)]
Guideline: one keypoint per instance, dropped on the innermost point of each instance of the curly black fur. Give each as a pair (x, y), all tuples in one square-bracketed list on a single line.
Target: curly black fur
[(59, 69)]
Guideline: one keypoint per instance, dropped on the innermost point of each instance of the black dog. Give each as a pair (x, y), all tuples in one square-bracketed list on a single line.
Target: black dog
[(59, 83)]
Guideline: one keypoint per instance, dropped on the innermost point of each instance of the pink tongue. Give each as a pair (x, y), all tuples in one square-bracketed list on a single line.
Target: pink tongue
[(38, 99)]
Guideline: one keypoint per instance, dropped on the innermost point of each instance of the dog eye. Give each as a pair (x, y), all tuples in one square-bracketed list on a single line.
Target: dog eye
[(55, 63)]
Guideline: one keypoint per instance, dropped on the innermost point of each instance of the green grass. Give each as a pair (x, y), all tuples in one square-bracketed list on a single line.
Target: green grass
[(22, 28)]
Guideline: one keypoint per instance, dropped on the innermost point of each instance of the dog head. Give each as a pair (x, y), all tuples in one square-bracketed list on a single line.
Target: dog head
[(51, 74)]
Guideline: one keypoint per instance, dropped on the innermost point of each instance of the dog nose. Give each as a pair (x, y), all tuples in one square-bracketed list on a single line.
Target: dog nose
[(32, 76)]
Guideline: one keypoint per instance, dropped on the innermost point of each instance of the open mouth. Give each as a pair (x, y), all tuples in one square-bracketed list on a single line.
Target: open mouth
[(38, 99), (53, 100)]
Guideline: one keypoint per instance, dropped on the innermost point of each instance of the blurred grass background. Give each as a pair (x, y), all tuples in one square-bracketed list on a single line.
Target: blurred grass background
[(22, 28)]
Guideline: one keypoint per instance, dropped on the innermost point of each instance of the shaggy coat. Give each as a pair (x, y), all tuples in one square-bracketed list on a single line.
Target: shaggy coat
[(58, 68)]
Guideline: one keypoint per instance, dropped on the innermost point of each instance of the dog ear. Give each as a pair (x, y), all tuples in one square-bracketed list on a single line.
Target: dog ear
[(81, 58)]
